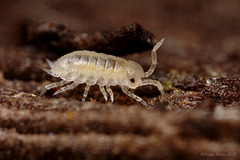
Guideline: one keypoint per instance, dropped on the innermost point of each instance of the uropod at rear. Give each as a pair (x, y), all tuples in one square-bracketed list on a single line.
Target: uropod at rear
[(104, 70)]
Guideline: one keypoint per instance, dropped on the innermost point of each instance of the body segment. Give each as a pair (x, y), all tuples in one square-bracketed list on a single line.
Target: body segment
[(104, 70)]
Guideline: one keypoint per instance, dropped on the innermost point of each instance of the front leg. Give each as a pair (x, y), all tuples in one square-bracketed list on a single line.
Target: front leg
[(130, 94)]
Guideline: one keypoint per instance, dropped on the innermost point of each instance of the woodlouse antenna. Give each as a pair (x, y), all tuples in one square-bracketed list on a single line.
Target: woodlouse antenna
[(154, 83), (154, 59)]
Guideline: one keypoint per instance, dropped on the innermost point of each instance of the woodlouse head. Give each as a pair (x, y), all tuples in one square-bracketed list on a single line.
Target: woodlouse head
[(134, 74)]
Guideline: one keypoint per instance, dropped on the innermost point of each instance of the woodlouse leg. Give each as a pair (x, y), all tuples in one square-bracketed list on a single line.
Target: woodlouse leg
[(109, 90), (68, 87), (130, 94), (86, 92), (53, 85), (102, 89), (155, 83)]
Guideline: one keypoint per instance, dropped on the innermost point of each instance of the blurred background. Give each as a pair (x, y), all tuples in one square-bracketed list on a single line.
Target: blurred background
[(191, 22)]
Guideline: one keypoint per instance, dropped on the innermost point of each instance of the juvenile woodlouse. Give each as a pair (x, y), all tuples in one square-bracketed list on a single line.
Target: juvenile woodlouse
[(104, 70)]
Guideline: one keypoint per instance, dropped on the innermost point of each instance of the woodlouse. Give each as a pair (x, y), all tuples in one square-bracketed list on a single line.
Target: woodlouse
[(104, 70)]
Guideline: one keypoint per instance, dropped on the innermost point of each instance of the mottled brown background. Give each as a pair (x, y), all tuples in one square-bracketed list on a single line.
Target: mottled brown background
[(189, 21)]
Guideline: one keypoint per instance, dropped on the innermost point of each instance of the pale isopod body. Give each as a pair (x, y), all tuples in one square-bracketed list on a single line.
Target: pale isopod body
[(104, 70)]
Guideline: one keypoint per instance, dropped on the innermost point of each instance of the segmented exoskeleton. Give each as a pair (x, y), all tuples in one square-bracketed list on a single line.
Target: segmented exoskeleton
[(104, 70)]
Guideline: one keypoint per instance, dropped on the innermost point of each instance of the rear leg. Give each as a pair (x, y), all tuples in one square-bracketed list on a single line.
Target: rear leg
[(102, 89), (68, 87), (53, 85), (86, 92), (130, 94), (110, 92)]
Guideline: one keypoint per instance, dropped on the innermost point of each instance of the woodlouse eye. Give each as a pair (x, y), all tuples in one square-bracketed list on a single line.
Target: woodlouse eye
[(132, 80)]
